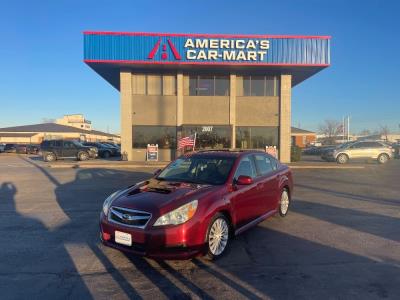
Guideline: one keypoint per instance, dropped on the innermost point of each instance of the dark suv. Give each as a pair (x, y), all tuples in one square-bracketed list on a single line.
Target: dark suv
[(104, 150), (56, 149)]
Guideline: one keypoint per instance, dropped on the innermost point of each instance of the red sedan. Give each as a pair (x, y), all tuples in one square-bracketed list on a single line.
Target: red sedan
[(196, 204)]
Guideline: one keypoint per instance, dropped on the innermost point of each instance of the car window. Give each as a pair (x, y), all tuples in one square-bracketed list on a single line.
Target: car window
[(263, 164), (375, 145), (357, 146), (245, 168), (68, 144), (57, 144), (274, 163)]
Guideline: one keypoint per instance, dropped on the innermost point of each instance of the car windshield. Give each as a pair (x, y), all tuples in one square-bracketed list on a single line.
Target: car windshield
[(200, 170)]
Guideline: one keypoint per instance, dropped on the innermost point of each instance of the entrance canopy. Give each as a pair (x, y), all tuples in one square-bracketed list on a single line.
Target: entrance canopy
[(109, 52)]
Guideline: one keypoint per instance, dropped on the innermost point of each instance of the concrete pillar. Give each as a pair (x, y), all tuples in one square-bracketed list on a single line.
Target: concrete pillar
[(179, 99), (232, 109), (285, 118), (126, 112)]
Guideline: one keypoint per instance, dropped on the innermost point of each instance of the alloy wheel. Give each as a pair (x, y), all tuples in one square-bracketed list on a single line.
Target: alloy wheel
[(218, 236), (284, 204)]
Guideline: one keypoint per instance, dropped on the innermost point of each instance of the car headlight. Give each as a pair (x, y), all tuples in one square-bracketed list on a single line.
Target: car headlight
[(179, 215), (108, 201)]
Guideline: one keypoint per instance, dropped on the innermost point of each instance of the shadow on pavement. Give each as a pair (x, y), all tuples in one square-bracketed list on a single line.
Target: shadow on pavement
[(261, 263)]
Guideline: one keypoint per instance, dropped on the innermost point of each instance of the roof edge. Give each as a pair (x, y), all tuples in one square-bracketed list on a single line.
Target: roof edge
[(207, 35)]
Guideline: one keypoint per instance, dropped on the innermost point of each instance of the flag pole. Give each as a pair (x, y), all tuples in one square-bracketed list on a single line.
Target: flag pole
[(194, 142)]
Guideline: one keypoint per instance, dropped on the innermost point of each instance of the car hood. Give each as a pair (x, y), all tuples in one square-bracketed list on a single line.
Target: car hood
[(159, 197)]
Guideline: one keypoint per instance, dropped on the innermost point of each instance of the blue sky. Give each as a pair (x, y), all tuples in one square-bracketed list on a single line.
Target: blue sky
[(42, 74)]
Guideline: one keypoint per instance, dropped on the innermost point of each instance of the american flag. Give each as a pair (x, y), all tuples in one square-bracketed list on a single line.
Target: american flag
[(187, 141)]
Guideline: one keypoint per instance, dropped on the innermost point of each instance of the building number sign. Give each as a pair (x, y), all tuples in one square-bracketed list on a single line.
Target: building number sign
[(207, 129)]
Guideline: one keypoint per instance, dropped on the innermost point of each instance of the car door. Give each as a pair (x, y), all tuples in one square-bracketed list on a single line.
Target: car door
[(358, 150), (245, 199), (267, 182), (56, 146), (68, 149)]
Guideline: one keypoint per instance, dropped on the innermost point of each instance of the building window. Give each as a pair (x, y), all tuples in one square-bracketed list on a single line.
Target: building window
[(257, 86), (164, 136), (200, 85), (153, 85), (256, 137), (209, 136)]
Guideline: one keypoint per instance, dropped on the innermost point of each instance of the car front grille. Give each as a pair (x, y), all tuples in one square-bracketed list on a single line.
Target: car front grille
[(129, 217)]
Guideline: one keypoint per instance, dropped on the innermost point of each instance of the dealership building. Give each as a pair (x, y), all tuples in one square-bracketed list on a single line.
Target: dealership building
[(232, 91)]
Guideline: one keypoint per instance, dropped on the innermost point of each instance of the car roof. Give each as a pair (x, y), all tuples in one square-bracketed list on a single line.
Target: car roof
[(222, 153)]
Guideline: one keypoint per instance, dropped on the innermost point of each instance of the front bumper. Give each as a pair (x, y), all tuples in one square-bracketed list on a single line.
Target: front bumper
[(183, 241)]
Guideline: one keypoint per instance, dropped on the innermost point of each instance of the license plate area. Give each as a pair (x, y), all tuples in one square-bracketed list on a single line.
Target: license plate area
[(123, 238)]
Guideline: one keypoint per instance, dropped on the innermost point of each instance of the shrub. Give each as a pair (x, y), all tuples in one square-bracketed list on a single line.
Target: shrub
[(295, 153)]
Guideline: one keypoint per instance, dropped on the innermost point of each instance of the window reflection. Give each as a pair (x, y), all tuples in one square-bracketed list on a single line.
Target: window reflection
[(164, 136), (208, 85), (256, 137), (209, 137)]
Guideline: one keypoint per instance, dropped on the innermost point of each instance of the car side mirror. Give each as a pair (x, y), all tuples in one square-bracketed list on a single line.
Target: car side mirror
[(158, 171), (244, 180)]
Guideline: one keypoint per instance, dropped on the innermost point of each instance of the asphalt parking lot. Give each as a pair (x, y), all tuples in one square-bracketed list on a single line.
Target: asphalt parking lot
[(340, 240)]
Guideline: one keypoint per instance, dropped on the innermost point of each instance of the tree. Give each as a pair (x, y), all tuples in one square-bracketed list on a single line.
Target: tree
[(384, 130), (331, 128)]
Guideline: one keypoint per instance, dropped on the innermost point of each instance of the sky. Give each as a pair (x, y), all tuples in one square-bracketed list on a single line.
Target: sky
[(42, 74)]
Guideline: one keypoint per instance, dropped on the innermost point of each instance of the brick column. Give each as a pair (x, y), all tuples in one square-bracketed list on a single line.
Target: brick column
[(232, 109), (285, 118), (126, 112)]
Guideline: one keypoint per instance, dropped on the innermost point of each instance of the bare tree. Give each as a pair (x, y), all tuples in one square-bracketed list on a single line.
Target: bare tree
[(331, 129), (384, 130)]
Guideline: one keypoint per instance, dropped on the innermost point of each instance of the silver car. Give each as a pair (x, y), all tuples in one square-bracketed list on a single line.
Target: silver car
[(360, 150)]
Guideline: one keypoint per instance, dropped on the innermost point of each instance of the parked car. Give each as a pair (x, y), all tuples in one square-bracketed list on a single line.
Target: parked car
[(10, 148), (33, 149), (396, 147), (360, 150), (115, 146), (196, 204), (57, 149), (22, 149), (2, 147), (27, 149), (103, 150)]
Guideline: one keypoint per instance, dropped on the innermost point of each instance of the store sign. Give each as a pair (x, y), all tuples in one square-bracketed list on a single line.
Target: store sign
[(152, 152), (226, 49), (148, 48), (214, 49)]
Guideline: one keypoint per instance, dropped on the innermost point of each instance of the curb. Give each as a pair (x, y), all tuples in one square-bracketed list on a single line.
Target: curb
[(77, 166), (327, 167)]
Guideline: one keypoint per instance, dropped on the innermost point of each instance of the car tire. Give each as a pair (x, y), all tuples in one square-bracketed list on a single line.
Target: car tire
[(342, 159), (106, 154), (83, 156), (217, 238), (284, 203), (49, 157), (383, 158)]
